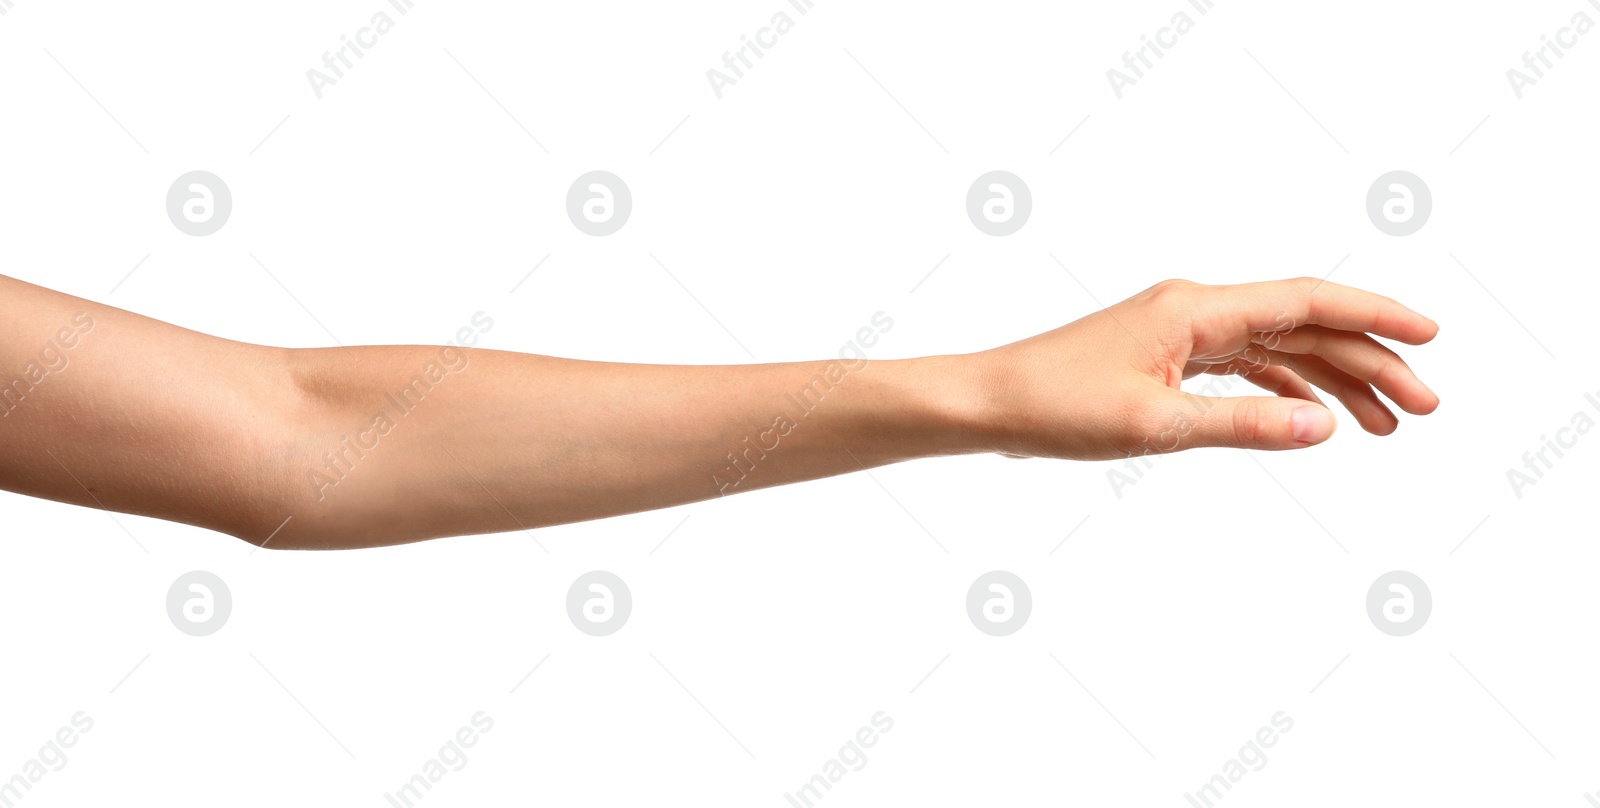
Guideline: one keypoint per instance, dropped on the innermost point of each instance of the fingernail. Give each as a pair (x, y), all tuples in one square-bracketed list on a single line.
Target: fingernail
[(1311, 424)]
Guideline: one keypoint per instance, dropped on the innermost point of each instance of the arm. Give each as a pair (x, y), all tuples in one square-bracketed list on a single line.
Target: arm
[(388, 444)]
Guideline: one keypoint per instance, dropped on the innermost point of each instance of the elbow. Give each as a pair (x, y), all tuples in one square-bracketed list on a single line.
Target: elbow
[(282, 488)]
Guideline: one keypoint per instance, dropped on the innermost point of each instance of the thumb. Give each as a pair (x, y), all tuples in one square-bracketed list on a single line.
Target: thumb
[(1249, 422)]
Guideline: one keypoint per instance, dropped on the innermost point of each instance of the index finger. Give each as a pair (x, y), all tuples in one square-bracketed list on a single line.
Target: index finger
[(1283, 305)]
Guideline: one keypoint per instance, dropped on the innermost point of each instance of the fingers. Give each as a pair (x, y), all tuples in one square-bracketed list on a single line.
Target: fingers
[(1361, 357), (1291, 375), (1285, 337), (1357, 396), (1283, 305), (1274, 379), (1251, 422)]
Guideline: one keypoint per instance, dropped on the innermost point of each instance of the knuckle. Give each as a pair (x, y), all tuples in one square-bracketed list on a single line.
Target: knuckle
[(1386, 365), (1172, 290), (1248, 424)]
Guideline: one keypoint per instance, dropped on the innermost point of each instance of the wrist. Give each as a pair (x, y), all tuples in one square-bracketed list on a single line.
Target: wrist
[(948, 404)]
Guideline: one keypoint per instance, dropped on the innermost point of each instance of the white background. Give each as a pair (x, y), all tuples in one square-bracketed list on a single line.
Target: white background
[(1207, 597)]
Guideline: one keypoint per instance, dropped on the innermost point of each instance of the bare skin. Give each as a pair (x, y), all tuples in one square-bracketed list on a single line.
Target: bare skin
[(105, 408)]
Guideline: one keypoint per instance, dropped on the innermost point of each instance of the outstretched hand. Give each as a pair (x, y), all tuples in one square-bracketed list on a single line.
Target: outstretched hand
[(1107, 386)]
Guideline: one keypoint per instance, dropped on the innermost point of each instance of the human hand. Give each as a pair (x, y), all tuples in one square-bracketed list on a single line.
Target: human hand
[(1107, 386)]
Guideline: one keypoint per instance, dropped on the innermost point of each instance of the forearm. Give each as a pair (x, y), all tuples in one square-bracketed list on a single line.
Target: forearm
[(360, 446), (397, 444)]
